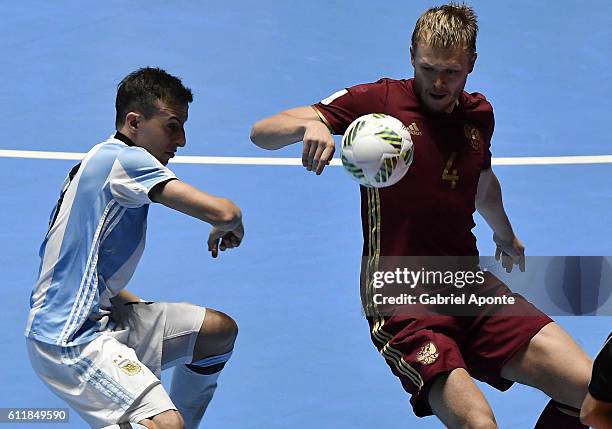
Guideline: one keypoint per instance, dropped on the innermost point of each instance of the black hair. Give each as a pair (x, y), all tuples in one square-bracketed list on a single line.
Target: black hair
[(139, 91)]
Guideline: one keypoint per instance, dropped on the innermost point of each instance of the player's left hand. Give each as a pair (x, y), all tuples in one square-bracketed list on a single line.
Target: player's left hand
[(222, 240), (510, 251)]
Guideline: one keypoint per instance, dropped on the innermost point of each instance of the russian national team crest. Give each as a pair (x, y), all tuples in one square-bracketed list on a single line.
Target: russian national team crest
[(473, 136), (428, 354), (126, 365)]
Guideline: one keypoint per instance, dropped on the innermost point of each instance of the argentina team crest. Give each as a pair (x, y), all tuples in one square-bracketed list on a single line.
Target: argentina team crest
[(126, 365), (428, 354), (473, 136)]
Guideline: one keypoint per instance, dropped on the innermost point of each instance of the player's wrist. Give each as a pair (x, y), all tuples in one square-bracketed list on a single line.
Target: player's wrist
[(503, 236), (316, 126)]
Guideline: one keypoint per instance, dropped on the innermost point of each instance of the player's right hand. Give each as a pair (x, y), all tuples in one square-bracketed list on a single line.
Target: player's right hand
[(509, 252), (319, 147), (222, 240)]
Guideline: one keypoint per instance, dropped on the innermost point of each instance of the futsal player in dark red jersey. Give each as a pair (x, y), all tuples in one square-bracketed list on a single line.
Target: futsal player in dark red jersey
[(430, 213)]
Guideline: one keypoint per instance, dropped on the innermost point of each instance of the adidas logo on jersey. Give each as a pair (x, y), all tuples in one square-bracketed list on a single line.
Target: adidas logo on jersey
[(414, 129)]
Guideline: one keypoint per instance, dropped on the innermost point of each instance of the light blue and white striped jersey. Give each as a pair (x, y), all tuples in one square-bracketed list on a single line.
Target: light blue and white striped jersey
[(96, 238)]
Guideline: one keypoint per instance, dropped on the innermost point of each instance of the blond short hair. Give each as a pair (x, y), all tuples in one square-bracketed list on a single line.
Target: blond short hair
[(449, 26)]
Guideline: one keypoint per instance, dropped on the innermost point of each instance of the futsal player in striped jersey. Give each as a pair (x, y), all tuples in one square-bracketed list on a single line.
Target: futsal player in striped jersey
[(429, 213), (94, 344)]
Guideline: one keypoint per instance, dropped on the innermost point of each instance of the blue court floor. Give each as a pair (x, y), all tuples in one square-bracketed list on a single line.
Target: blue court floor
[(303, 357)]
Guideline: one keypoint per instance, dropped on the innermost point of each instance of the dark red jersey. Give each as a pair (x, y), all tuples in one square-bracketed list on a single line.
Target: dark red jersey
[(430, 211)]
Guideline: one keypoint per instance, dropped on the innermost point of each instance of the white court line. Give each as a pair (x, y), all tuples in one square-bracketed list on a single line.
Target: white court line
[(239, 160)]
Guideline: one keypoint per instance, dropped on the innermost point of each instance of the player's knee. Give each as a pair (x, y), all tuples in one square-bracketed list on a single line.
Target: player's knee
[(221, 328), (228, 328)]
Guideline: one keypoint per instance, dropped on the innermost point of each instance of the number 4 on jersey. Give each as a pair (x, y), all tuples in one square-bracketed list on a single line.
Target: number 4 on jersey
[(450, 173)]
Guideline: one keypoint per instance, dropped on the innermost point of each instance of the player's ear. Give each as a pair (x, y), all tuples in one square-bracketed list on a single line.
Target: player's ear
[(411, 56), (472, 62), (132, 121)]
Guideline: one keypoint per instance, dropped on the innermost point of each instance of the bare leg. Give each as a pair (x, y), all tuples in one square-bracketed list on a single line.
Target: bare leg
[(217, 335), (553, 363), (456, 400)]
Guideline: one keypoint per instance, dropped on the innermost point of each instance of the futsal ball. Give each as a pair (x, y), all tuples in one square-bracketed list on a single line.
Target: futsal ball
[(377, 150)]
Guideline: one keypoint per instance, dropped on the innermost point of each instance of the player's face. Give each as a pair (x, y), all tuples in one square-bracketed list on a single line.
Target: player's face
[(163, 133), (440, 75)]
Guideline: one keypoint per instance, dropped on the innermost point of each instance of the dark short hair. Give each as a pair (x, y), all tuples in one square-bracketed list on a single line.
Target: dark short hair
[(139, 91)]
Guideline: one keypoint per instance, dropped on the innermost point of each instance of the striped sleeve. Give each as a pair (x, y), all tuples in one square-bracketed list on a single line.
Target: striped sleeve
[(134, 173)]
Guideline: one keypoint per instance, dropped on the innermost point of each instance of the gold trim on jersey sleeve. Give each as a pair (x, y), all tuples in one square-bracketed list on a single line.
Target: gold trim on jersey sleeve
[(323, 119)]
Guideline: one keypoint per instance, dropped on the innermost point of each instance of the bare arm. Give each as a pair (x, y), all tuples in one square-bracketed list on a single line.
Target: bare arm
[(294, 125), (490, 205), (221, 213)]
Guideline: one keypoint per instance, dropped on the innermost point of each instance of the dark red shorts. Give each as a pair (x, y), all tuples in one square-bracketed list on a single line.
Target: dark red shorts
[(417, 349)]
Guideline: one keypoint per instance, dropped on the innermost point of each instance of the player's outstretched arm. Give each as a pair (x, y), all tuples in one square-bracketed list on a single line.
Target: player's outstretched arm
[(221, 213), (490, 205), (294, 125)]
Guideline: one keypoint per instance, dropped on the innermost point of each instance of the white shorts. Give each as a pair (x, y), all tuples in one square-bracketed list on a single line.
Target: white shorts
[(115, 378)]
